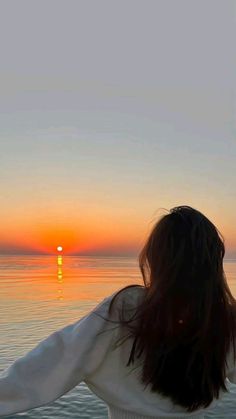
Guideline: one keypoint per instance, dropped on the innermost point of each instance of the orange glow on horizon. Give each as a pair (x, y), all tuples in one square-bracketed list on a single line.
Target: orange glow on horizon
[(98, 232)]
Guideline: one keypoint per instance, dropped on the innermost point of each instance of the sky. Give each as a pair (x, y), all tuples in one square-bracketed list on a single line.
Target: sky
[(111, 112)]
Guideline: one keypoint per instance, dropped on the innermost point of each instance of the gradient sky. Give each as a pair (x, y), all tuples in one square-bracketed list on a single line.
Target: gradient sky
[(109, 111)]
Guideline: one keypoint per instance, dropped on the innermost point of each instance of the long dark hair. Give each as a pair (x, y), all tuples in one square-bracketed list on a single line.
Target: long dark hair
[(186, 321)]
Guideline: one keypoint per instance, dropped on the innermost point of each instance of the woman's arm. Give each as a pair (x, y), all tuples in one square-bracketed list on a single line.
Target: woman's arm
[(56, 364)]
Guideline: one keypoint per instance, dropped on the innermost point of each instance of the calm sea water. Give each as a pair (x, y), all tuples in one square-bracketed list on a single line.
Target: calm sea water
[(39, 295)]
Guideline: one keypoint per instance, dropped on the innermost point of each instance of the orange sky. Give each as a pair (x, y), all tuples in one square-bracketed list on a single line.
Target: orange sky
[(93, 229), (98, 209)]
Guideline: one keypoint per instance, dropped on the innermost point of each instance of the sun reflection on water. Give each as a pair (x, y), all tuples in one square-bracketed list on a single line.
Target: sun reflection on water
[(60, 277)]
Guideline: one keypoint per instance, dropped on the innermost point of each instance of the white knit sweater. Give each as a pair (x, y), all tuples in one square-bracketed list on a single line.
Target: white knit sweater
[(84, 351)]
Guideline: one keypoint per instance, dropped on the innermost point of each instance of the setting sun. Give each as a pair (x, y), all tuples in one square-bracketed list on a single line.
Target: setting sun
[(59, 248)]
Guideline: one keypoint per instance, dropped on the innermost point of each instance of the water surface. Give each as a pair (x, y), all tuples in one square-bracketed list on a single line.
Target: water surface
[(40, 294)]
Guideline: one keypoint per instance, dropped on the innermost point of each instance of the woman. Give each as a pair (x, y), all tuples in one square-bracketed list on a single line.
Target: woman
[(161, 350)]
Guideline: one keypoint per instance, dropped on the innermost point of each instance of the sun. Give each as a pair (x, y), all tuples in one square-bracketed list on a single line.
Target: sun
[(59, 248)]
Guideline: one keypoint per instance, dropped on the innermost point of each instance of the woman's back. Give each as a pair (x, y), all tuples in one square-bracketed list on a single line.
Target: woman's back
[(120, 386), (185, 328)]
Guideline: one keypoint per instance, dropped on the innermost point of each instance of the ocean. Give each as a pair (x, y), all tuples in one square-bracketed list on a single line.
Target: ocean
[(40, 294)]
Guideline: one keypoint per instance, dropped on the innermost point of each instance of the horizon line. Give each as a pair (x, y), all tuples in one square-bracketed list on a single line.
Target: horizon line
[(84, 255), (69, 254)]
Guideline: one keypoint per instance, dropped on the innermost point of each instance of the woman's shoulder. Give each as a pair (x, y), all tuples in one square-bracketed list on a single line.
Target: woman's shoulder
[(130, 293), (124, 300), (133, 293), (127, 298)]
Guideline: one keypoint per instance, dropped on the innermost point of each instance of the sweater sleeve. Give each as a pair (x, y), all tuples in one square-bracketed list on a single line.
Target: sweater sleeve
[(231, 368), (56, 364)]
